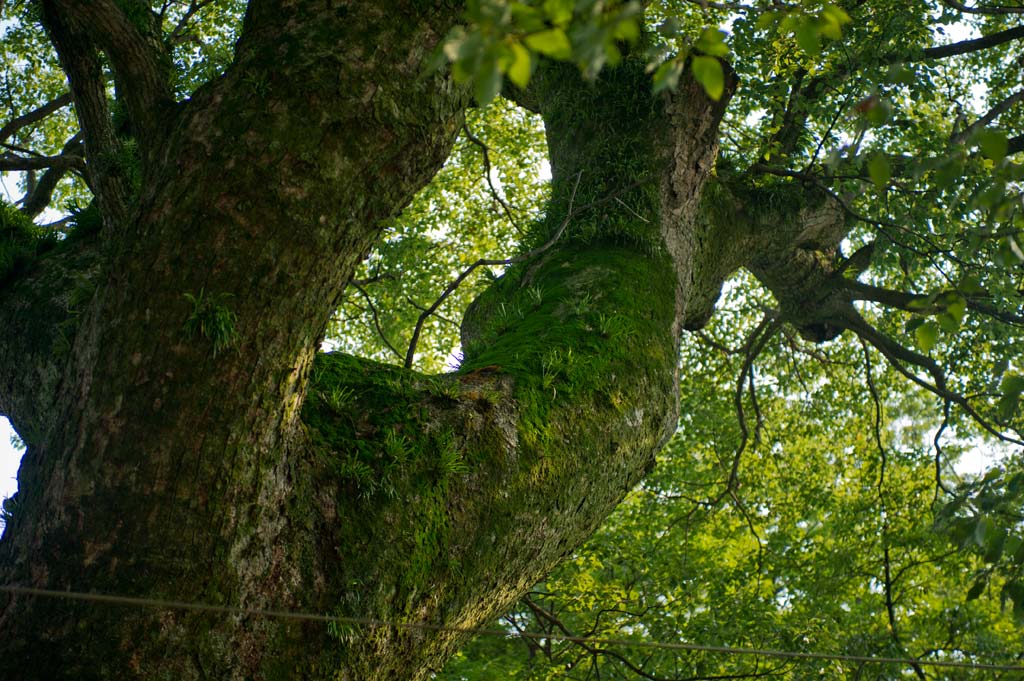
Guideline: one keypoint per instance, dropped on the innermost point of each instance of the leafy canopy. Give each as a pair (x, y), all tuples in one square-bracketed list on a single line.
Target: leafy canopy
[(810, 500)]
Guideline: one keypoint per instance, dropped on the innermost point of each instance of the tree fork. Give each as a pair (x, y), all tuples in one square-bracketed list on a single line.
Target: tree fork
[(192, 450)]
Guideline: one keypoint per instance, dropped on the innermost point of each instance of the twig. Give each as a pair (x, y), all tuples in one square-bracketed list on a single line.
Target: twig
[(570, 214), (487, 174), (376, 320)]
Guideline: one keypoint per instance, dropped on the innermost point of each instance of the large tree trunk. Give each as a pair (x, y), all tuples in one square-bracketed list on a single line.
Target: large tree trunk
[(229, 465)]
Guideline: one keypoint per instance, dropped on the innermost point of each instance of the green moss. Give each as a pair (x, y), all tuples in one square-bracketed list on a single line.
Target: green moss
[(601, 140)]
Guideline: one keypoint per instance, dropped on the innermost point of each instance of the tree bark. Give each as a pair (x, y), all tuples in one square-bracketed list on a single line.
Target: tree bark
[(188, 445)]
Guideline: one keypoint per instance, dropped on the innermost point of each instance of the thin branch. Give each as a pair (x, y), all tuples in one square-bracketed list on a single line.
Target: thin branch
[(376, 320), (898, 355), (440, 316), (487, 174), (482, 262), (34, 116), (993, 113), (177, 34), (543, 614), (751, 350), (937, 443), (994, 10)]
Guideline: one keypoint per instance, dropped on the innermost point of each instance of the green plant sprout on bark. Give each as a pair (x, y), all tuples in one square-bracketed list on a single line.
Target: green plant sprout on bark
[(212, 319)]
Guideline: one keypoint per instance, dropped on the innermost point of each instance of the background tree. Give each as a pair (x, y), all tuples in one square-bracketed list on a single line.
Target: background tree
[(185, 442)]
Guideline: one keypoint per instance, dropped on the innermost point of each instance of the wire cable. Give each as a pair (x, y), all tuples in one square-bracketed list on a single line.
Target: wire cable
[(111, 599)]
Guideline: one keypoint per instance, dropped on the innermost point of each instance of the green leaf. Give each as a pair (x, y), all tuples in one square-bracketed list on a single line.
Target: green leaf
[(957, 309), (1015, 592), (1012, 384), (970, 286), (807, 38), (488, 82), (1012, 545), (712, 43), (984, 530), (553, 43), (666, 76), (993, 144), (994, 544), (947, 322), (559, 11), (878, 170), (878, 113), (627, 29), (708, 72), (927, 335), (766, 20), (837, 14), (977, 588), (518, 67)]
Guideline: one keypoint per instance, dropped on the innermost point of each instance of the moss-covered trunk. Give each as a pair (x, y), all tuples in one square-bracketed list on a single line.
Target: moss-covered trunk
[(192, 449)]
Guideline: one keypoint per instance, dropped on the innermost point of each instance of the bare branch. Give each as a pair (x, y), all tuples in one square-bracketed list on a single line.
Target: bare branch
[(991, 10), (994, 112), (34, 116), (551, 618), (898, 356), (975, 45), (376, 320), (38, 197), (486, 150), (753, 347), (482, 262), (177, 34)]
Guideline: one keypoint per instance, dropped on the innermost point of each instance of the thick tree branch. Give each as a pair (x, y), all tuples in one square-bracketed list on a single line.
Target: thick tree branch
[(981, 9), (974, 45), (912, 302), (1015, 145), (38, 198), (38, 313), (141, 64), (83, 66), (10, 162), (34, 116)]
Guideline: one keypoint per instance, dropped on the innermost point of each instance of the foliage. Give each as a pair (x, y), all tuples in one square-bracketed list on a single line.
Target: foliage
[(20, 240), (800, 556), (810, 499)]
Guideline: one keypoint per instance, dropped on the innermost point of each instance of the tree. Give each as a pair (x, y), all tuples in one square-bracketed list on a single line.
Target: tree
[(159, 347)]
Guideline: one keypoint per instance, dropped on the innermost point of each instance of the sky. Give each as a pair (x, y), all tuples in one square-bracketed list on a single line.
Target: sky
[(9, 460)]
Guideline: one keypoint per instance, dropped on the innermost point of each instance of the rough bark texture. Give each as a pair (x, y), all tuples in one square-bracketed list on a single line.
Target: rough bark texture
[(187, 445)]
